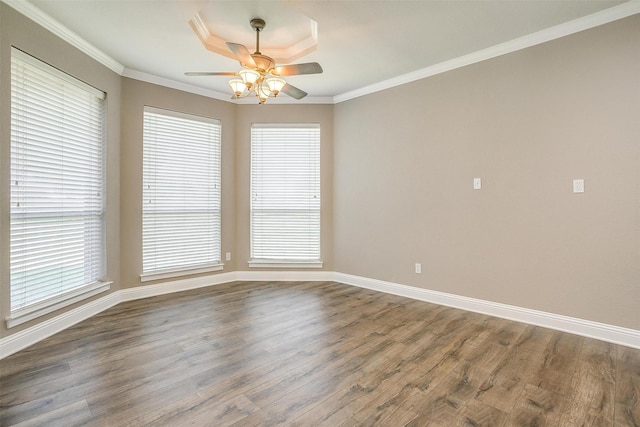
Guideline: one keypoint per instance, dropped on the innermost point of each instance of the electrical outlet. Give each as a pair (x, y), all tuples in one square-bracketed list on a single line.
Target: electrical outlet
[(227, 256), (418, 268), (578, 185)]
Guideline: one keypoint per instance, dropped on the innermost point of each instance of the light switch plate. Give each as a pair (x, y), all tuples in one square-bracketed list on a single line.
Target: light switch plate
[(477, 183), (578, 185)]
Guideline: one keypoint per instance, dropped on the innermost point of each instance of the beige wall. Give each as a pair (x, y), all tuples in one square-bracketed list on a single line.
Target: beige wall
[(526, 123), (236, 138), (135, 95), (22, 33), (397, 168), (248, 114), (124, 156)]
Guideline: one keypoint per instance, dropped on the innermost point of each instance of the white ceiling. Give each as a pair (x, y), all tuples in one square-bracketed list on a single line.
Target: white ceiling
[(362, 45)]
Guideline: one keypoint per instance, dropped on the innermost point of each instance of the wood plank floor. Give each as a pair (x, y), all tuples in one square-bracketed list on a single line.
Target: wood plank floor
[(314, 354)]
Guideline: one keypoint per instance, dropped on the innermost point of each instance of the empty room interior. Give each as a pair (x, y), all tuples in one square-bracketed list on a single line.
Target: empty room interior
[(320, 213)]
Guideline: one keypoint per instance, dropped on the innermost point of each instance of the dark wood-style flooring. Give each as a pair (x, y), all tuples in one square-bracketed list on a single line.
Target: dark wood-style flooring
[(314, 354)]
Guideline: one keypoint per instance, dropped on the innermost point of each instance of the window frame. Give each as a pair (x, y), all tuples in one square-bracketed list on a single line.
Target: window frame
[(182, 270), (57, 91), (283, 261)]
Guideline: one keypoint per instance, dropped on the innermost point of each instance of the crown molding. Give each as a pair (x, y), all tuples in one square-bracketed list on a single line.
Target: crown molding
[(197, 90), (217, 44), (185, 87), (46, 21), (602, 17)]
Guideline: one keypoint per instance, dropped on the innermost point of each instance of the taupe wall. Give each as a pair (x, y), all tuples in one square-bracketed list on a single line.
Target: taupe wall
[(248, 114), (236, 138), (22, 33), (526, 123), (135, 95), (124, 155), (397, 168)]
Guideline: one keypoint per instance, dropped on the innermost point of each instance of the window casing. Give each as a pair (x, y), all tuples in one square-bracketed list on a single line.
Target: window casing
[(181, 194), (285, 195), (57, 243)]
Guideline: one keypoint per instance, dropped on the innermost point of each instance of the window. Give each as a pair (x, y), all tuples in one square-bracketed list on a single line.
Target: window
[(285, 195), (181, 194), (57, 189)]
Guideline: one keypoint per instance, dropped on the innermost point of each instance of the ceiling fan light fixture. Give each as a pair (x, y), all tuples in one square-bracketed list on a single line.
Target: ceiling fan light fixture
[(249, 77), (263, 92), (259, 74), (237, 86), (275, 85)]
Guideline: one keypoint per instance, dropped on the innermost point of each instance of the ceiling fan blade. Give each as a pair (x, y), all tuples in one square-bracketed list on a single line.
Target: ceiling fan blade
[(297, 69), (210, 73), (242, 53), (293, 91)]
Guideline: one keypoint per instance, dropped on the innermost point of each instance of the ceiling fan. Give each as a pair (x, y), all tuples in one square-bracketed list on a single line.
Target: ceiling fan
[(259, 74)]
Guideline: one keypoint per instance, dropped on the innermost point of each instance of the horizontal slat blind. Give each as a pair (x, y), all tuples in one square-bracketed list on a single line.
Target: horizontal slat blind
[(57, 181), (285, 192), (181, 191)]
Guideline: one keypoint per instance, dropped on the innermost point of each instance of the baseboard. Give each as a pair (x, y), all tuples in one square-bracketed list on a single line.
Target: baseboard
[(586, 328), (147, 291), (286, 276), (27, 337), (613, 334)]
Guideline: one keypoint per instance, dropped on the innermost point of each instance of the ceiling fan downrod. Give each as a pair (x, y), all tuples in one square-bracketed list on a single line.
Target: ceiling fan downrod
[(259, 73), (258, 25)]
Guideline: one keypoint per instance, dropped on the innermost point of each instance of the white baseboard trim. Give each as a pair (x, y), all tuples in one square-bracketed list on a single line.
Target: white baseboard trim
[(586, 328), (613, 334), (27, 337), (172, 286), (23, 339), (286, 276)]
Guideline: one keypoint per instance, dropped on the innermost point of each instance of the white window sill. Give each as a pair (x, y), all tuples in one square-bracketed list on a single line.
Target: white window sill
[(34, 311), (268, 263), (166, 274)]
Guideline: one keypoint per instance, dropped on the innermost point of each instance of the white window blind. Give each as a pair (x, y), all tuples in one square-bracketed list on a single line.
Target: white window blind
[(181, 193), (57, 186), (285, 192)]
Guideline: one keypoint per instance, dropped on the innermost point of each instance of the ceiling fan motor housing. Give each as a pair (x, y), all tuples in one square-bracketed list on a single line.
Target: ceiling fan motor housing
[(259, 74), (263, 63)]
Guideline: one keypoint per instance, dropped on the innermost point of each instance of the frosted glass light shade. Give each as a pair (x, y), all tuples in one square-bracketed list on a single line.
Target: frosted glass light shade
[(263, 93), (237, 86), (249, 77), (275, 85)]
